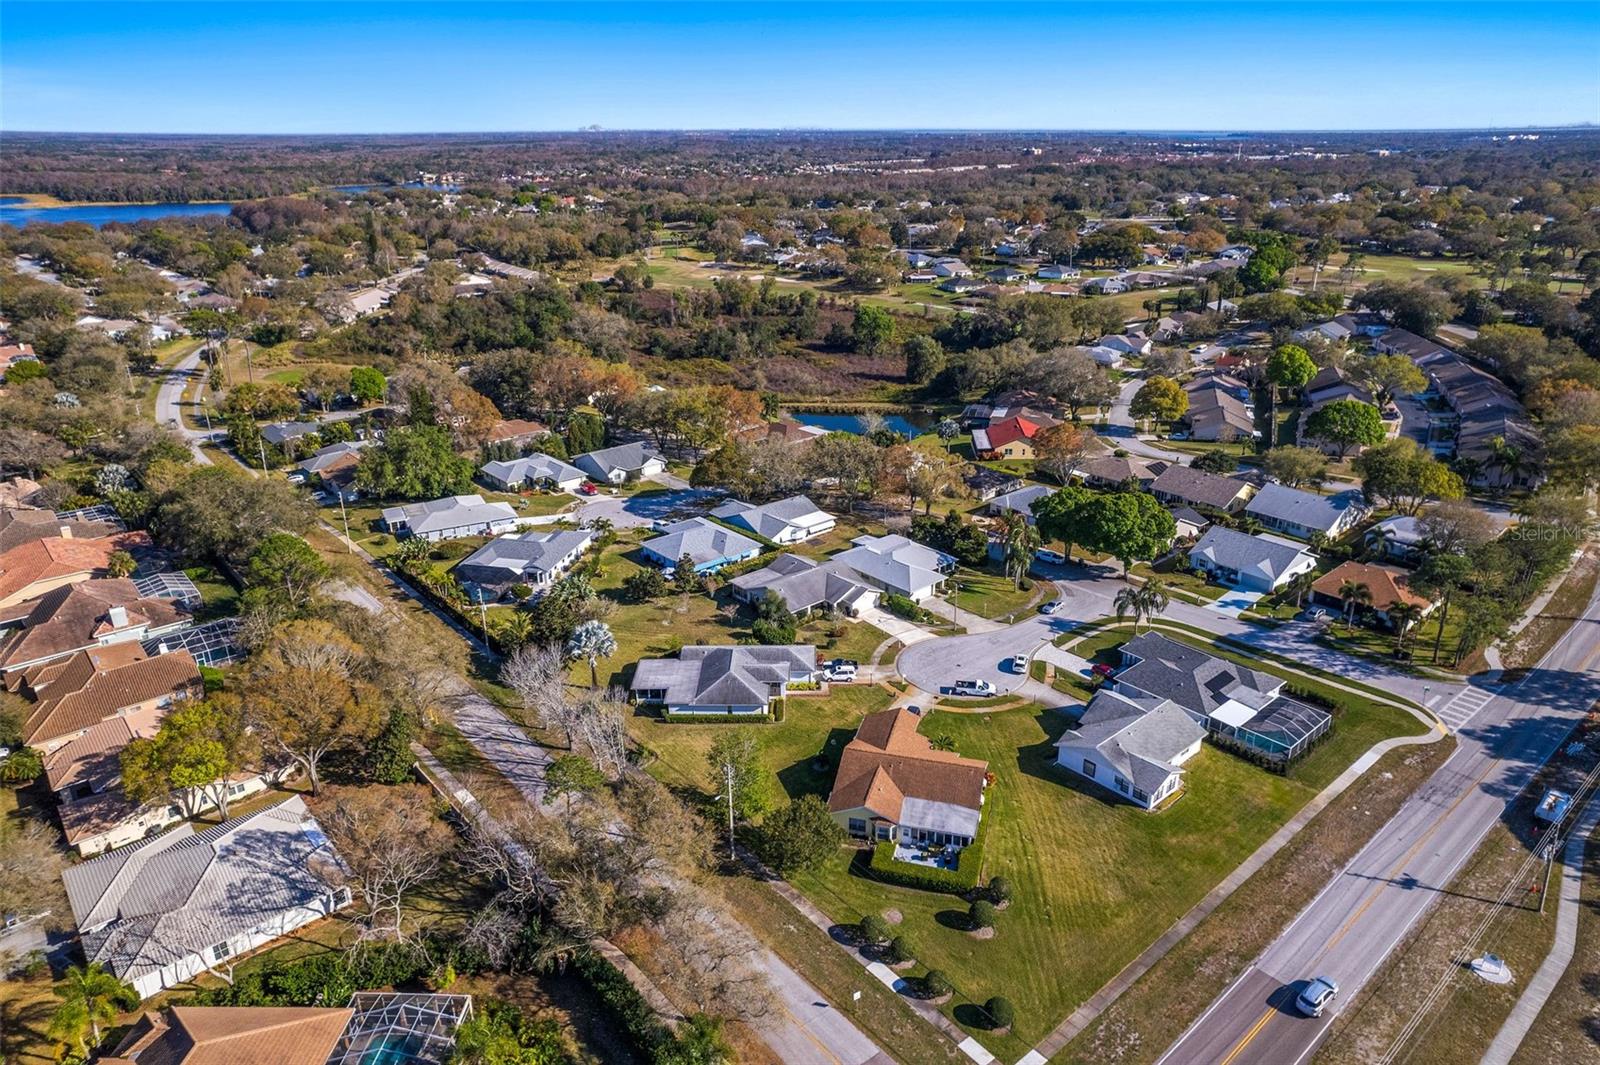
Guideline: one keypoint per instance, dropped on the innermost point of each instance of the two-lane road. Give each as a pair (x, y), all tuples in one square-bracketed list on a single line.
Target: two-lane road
[(169, 405), (1351, 927)]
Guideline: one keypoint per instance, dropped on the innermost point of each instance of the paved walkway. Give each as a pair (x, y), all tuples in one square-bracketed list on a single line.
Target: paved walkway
[(1544, 981), (1097, 1003)]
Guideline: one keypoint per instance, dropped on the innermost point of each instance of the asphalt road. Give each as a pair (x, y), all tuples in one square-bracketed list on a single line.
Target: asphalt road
[(1351, 927), (169, 405)]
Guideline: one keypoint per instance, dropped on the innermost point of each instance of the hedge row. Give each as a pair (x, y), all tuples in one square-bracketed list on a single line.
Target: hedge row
[(958, 881), (652, 1039)]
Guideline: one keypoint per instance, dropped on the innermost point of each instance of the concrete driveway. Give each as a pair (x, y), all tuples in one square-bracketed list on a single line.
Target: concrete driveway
[(1235, 602), (935, 665)]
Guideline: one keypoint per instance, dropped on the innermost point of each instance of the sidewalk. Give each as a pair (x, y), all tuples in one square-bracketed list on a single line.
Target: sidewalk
[(1544, 981)]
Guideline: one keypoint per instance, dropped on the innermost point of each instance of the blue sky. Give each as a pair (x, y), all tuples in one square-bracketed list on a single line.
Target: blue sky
[(408, 67)]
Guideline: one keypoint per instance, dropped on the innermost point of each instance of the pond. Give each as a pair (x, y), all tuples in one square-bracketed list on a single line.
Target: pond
[(16, 211), (909, 423)]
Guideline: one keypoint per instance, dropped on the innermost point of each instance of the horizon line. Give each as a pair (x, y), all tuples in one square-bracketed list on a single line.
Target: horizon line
[(1236, 131)]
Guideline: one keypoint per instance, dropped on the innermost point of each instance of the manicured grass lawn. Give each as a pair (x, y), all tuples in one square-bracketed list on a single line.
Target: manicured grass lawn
[(810, 727), (218, 597), (1094, 881), (1190, 584), (987, 593)]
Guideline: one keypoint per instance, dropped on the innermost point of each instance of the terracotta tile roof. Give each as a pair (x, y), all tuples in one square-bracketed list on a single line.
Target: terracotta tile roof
[(77, 615), (95, 684), (1388, 584), (93, 756), (20, 526), (514, 428), (59, 557), (234, 1035), (889, 761)]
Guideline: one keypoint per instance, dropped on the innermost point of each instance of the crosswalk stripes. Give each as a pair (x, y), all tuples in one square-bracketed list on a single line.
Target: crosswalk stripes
[(1458, 711)]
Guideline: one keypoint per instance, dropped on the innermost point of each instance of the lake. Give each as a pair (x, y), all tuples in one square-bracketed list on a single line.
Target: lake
[(912, 424), (16, 211)]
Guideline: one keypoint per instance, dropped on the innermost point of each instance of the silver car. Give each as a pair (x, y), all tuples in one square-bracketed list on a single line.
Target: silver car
[(1316, 997)]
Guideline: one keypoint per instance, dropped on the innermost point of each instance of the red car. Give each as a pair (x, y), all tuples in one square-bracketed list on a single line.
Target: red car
[(1103, 669), (587, 488)]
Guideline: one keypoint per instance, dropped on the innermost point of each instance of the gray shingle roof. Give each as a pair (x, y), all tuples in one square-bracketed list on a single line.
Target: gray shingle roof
[(1196, 681), (702, 540), (333, 453), (772, 519), (1243, 553), (1306, 509), (803, 584), (625, 457), (1021, 500), (1198, 487), (533, 468), (451, 512), (723, 676), (507, 558), (1136, 735), (145, 906)]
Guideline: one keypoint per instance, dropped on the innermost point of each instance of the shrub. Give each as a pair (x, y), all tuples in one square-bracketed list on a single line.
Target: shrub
[(982, 914), (999, 890), (958, 881), (901, 950), (901, 607), (213, 679), (935, 984), (520, 591), (442, 977), (874, 929), (1001, 1012)]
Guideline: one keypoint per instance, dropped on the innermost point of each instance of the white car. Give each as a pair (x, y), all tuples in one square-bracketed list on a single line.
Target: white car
[(1019, 663), (1050, 608), (842, 674), (1044, 554), (973, 687), (1316, 997)]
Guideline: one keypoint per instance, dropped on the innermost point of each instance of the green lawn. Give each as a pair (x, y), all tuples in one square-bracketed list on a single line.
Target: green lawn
[(988, 594), (1094, 881), (1191, 585)]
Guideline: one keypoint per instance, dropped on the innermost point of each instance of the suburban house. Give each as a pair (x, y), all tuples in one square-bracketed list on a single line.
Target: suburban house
[(1399, 538), (450, 517), (1387, 587), (536, 470), (723, 680), (1125, 343), (86, 615), (280, 433), (784, 521), (1300, 513), (20, 526), (1216, 414), (709, 545), (1114, 471), (893, 785), (1110, 358), (985, 484), (334, 467), (1404, 342), (160, 912), (1330, 384), (233, 1035), (31, 569), (625, 462), (804, 586), (1020, 501), (1187, 486), (1237, 706), (1254, 563), (1018, 403), (517, 431), (951, 268), (1190, 523), (1011, 438), (1131, 744), (1058, 272), (74, 693), (1005, 275), (897, 564), (536, 559)]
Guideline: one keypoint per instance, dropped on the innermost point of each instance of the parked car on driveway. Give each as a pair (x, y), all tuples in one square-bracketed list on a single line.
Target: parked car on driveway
[(972, 687), (1316, 997), (587, 488), (840, 671), (1102, 669)]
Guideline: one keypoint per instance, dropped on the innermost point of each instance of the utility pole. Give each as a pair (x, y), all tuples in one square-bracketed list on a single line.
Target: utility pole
[(349, 545), (727, 774), (260, 443)]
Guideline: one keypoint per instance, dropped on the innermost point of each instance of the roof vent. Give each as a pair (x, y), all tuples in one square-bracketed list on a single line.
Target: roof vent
[(118, 616)]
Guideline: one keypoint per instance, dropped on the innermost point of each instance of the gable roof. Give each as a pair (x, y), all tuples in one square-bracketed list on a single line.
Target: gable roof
[(1307, 509), (1022, 499), (889, 762), (624, 457), (451, 512), (803, 584), (723, 676), (998, 434), (335, 455), (535, 467), (1244, 553), (772, 519), (233, 1035), (1191, 678), (1198, 487), (1389, 585), (701, 539), (511, 556), (20, 525), (895, 561), (143, 907), (85, 688), (1137, 735)]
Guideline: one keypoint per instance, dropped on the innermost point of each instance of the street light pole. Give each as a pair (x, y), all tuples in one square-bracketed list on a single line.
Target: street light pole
[(727, 774)]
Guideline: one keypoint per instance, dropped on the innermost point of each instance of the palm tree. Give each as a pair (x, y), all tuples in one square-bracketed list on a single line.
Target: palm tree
[(1353, 594), (1300, 585), (947, 429), (1144, 602), (1402, 616), (592, 641), (1021, 540), (91, 996)]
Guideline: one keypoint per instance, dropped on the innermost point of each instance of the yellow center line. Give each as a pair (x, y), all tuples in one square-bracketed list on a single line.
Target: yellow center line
[(1250, 1035), (810, 1035)]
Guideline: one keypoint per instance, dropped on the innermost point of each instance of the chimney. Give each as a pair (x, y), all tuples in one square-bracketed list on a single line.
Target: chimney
[(66, 532), (118, 616), (162, 648)]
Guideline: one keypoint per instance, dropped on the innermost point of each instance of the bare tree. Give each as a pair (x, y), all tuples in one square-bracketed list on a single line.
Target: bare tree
[(710, 963), (389, 842), (600, 725)]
